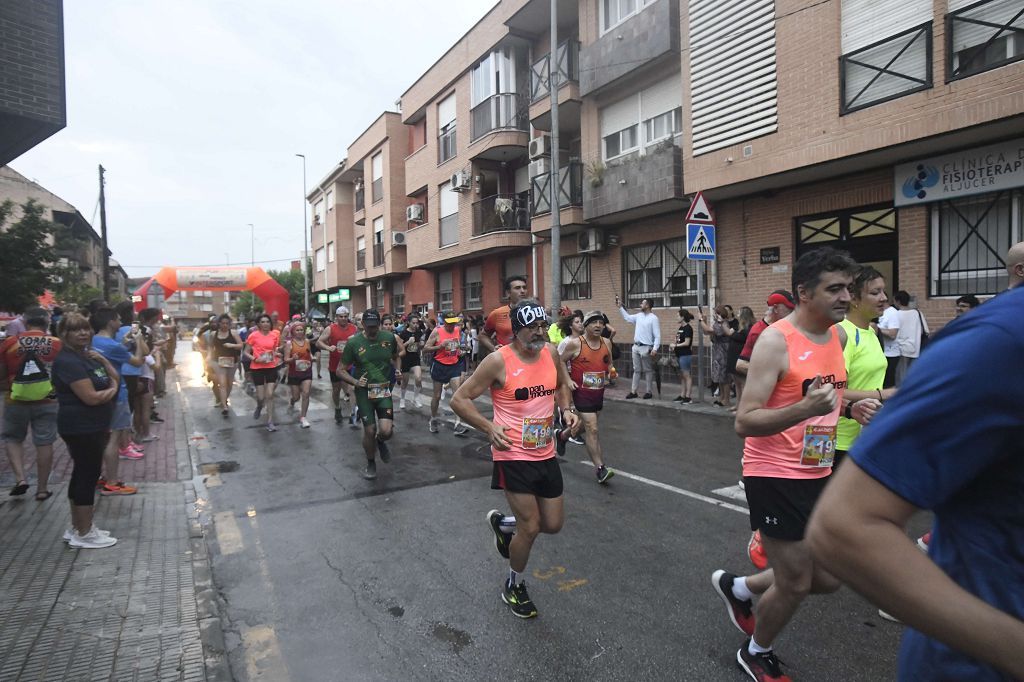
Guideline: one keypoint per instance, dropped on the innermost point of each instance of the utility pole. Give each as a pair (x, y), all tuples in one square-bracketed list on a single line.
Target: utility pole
[(103, 239), (305, 238), (555, 177)]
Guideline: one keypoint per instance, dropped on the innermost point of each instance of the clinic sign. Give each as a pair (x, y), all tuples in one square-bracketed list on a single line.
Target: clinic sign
[(972, 171)]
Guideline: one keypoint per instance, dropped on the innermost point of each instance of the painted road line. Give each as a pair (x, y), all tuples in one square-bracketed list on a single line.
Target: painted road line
[(263, 659), (733, 492), (678, 491), (229, 536)]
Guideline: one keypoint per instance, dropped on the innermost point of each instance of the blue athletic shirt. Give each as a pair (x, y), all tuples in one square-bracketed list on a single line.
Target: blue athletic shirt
[(118, 355), (952, 440)]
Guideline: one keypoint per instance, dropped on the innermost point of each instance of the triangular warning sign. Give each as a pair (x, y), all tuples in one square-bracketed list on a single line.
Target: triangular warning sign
[(699, 211), (701, 244)]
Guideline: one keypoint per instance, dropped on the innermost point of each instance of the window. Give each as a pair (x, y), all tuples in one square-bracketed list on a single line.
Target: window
[(663, 126), (446, 128), (449, 200), (983, 35), (378, 241), (614, 12), (513, 265), (330, 252), (321, 265), (206, 307), (656, 110), (445, 292), (398, 296), (494, 101), (661, 273), (472, 288), (621, 142), (575, 277), (970, 238), (318, 212), (377, 188), (330, 200), (360, 253)]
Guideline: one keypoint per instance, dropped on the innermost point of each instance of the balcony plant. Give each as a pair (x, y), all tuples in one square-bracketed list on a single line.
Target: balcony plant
[(595, 172)]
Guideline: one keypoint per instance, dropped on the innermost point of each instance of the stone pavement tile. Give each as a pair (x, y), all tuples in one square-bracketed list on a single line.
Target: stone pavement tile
[(127, 612)]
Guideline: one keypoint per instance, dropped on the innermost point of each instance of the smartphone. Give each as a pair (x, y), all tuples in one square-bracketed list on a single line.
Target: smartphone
[(135, 327)]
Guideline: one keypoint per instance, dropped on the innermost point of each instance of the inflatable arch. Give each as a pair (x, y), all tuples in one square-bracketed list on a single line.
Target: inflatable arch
[(256, 280)]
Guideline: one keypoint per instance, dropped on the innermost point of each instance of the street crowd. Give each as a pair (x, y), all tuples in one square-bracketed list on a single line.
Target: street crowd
[(855, 416)]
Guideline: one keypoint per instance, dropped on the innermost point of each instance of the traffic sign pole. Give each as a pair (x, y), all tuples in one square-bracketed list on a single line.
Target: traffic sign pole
[(701, 245)]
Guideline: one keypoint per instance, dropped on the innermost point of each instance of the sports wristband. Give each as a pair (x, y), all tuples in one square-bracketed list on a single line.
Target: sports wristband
[(848, 413)]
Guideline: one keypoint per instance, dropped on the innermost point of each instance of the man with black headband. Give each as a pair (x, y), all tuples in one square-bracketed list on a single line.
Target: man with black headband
[(526, 380)]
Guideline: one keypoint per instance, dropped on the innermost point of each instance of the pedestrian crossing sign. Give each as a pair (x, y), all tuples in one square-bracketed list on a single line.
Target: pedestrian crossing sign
[(700, 241)]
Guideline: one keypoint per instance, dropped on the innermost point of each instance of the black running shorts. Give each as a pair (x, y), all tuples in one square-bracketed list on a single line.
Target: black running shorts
[(541, 478), (780, 507), (264, 376)]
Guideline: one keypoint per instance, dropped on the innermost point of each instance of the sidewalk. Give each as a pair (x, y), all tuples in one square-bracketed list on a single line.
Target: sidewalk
[(128, 612)]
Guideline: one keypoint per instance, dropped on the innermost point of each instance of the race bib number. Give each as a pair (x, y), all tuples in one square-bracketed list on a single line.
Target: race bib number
[(303, 365), (537, 432), (451, 345), (593, 380), (265, 357), (412, 347), (819, 446), (226, 361), (378, 391)]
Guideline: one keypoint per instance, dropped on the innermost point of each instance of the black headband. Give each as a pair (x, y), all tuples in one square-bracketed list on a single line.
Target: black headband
[(525, 315)]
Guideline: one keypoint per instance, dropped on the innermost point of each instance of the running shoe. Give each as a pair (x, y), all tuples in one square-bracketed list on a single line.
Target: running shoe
[(70, 531), (678, 399), (417, 401), (604, 474), (647, 396), (687, 400), (575, 440), (304, 423), (369, 472), (518, 600), (924, 541), (401, 403), (631, 395), (460, 429), (384, 451), (150, 438), (118, 488), (761, 667), (91, 540), (432, 424), (100, 482), (338, 417), (270, 427), (156, 419), (501, 538), (559, 442), (741, 613), (755, 550), (130, 453), (258, 410), (353, 419), (224, 412)]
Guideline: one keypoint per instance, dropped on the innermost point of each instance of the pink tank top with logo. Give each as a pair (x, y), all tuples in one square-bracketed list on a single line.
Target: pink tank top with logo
[(526, 404), (805, 450)]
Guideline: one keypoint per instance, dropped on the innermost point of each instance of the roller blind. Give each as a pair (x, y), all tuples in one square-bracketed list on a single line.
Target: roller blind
[(1000, 12), (620, 115), (378, 166), (661, 97), (449, 200), (865, 22), (446, 111)]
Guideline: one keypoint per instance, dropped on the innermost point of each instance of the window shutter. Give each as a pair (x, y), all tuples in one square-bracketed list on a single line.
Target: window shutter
[(378, 166), (966, 35), (449, 200), (620, 115), (446, 111), (661, 98), (472, 274), (866, 22)]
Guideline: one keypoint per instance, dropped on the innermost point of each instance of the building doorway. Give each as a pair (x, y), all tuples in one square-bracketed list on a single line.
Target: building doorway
[(869, 234)]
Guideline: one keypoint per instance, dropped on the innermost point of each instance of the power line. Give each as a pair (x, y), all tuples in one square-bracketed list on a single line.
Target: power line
[(213, 265)]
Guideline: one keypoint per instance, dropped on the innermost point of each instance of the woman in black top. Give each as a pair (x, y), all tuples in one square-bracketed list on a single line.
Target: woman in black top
[(225, 349), (683, 348), (86, 385), (745, 321)]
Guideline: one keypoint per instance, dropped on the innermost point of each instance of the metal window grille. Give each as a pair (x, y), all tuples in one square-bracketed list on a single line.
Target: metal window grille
[(891, 68), (576, 277), (983, 36), (661, 273), (970, 238)]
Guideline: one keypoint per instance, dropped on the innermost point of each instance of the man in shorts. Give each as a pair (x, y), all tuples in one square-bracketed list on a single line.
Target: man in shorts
[(589, 358), (412, 335), (445, 343), (333, 340), (788, 414), (497, 326), (526, 379), (25, 360), (371, 355)]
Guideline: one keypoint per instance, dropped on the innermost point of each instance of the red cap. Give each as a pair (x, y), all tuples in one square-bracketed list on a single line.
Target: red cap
[(781, 296)]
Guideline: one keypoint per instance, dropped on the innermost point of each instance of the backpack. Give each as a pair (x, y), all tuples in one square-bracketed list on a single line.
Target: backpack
[(32, 380)]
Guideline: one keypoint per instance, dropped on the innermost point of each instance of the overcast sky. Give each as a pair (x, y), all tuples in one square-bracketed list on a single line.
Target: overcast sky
[(197, 108)]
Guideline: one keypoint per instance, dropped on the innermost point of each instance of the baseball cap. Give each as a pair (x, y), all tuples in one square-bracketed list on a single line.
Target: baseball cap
[(450, 317), (342, 310), (592, 315), (526, 312), (371, 318), (296, 316), (781, 296)]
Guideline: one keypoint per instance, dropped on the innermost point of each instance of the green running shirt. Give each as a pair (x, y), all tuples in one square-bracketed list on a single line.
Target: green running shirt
[(372, 358)]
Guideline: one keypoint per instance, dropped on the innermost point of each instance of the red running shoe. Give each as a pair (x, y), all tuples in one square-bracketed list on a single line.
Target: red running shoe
[(741, 613), (761, 667), (755, 550)]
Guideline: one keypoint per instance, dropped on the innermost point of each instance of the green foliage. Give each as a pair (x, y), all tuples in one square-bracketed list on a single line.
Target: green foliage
[(291, 280), (245, 304), (26, 256)]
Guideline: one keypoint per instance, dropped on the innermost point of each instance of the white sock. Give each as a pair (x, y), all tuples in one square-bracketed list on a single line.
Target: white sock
[(754, 648), (740, 589), (507, 524)]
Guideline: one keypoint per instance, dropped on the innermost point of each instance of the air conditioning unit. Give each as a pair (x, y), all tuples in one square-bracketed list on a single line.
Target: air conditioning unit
[(398, 238), (379, 284), (414, 213), (540, 166), (460, 181), (540, 146), (589, 241)]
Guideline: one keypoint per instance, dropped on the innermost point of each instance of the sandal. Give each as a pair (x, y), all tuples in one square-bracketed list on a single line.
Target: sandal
[(43, 496), (20, 489)]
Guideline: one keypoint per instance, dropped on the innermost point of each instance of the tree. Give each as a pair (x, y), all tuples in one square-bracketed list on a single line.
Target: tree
[(291, 280), (26, 256)]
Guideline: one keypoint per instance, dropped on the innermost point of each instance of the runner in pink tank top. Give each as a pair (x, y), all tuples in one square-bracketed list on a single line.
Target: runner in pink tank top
[(526, 380)]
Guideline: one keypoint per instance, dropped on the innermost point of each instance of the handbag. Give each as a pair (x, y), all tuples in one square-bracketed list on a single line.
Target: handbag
[(924, 334)]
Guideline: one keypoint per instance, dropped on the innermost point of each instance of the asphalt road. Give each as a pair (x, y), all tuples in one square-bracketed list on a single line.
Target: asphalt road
[(325, 576)]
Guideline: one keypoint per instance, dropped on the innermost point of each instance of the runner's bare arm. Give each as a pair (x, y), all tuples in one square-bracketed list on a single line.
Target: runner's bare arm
[(857, 533), (400, 344), (571, 350), (431, 345), (347, 378), (486, 341), (768, 363), (321, 342)]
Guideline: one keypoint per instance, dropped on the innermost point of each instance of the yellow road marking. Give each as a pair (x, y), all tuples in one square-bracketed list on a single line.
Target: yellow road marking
[(263, 659), (229, 537)]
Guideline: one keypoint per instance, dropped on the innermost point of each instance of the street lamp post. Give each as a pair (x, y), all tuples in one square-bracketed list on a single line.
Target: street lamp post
[(305, 241)]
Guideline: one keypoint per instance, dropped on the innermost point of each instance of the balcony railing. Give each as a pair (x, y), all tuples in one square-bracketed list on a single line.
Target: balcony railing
[(361, 260), (499, 112), (360, 199), (501, 212), (567, 61), (570, 188), (378, 255), (450, 230)]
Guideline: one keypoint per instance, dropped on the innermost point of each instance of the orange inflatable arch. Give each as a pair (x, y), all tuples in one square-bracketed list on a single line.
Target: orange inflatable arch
[(256, 280)]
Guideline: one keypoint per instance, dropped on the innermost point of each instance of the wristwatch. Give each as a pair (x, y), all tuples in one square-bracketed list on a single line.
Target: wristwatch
[(848, 412)]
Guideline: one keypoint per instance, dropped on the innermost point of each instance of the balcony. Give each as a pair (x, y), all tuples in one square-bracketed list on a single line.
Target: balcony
[(567, 61), (570, 189), (500, 213), (637, 185), (378, 255), (360, 199), (506, 111), (361, 259)]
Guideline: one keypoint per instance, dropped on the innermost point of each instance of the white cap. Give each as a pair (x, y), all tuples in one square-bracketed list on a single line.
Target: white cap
[(342, 310)]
